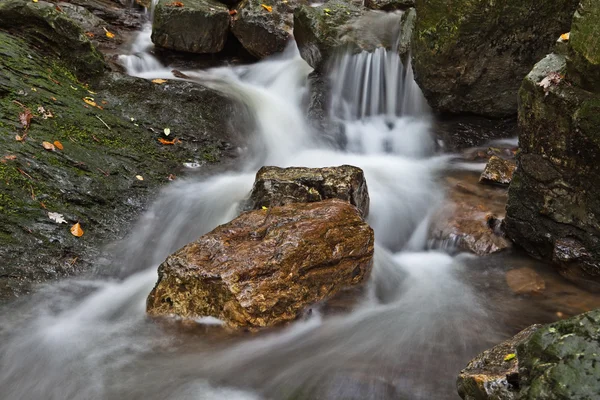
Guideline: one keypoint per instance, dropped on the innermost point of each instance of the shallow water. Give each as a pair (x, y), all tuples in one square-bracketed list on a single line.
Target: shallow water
[(419, 319)]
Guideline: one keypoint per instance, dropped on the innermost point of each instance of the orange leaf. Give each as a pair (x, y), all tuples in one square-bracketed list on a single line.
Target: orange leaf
[(48, 146), (565, 36), (58, 145), (266, 7), (174, 4), (89, 34), (110, 35), (232, 12), (25, 118), (76, 230), (168, 142)]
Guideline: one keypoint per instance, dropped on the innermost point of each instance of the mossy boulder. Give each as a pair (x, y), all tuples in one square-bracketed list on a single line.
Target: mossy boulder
[(266, 266), (198, 26), (583, 63), (470, 56), (92, 180), (263, 32), (560, 361), (553, 208), (56, 33)]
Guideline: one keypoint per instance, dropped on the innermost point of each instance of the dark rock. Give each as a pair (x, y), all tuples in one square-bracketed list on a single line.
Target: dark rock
[(200, 26), (560, 361), (498, 171), (264, 267), (261, 32), (494, 374), (389, 5), (56, 33), (471, 56), (276, 186), (553, 208)]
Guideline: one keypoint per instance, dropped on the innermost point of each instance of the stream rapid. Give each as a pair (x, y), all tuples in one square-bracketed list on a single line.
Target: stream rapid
[(421, 316)]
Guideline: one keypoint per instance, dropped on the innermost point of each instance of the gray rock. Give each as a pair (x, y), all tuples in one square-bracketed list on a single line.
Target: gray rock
[(200, 26), (276, 186), (494, 374), (263, 32), (472, 56)]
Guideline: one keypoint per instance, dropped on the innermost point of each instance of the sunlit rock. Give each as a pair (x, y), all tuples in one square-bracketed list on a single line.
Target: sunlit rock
[(264, 267), (199, 26), (498, 171), (276, 186)]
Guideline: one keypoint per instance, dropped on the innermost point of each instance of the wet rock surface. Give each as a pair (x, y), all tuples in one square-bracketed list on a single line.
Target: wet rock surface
[(525, 281), (494, 374), (389, 5), (264, 32), (553, 202), (276, 186), (109, 132), (264, 267), (471, 56), (497, 171), (199, 26)]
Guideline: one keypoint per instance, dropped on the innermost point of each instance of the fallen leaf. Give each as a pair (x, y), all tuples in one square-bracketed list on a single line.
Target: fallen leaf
[(89, 34), (167, 131), (167, 142), (266, 7), (232, 12), (90, 101), (509, 356), (73, 87), (104, 102), (33, 89), (174, 4), (76, 230), (58, 218), (159, 81), (109, 35), (53, 98), (45, 113), (48, 146), (90, 92), (264, 208), (171, 177), (327, 10), (58, 9), (58, 145), (565, 36), (10, 157), (139, 177), (552, 79), (35, 1), (25, 118), (19, 138)]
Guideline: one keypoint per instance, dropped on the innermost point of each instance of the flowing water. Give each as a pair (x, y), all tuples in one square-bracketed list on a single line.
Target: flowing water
[(420, 318)]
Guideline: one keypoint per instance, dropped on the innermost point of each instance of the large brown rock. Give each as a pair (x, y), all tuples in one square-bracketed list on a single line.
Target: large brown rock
[(276, 186), (494, 374), (498, 171), (264, 267)]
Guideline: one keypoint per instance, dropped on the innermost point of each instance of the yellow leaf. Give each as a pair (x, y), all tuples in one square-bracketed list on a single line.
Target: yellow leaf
[(565, 36), (509, 356), (48, 146), (139, 177), (90, 101), (266, 7), (19, 138), (76, 230), (109, 35), (265, 208), (159, 81), (167, 131), (58, 145)]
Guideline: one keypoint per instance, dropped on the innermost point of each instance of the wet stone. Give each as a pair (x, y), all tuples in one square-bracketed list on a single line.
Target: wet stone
[(525, 281), (498, 171)]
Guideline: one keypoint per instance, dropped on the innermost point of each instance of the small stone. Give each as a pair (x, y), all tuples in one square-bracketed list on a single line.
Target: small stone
[(498, 171)]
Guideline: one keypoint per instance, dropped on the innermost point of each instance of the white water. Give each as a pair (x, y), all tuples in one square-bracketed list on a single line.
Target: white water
[(415, 326)]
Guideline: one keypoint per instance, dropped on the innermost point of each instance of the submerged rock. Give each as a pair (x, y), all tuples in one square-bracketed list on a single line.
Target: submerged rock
[(264, 267), (498, 171), (553, 210), (264, 32), (58, 33), (471, 56), (494, 374), (199, 26), (276, 186), (525, 281)]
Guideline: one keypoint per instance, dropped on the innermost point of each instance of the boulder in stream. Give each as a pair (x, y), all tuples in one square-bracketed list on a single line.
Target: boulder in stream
[(266, 266), (195, 26), (471, 56), (498, 171), (263, 32), (276, 186), (553, 209)]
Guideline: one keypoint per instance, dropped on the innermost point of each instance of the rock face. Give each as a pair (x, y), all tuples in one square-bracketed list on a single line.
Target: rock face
[(498, 171), (584, 61), (56, 32), (494, 374), (200, 26), (389, 5), (553, 210), (276, 186), (560, 360), (264, 267), (471, 56), (260, 31)]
